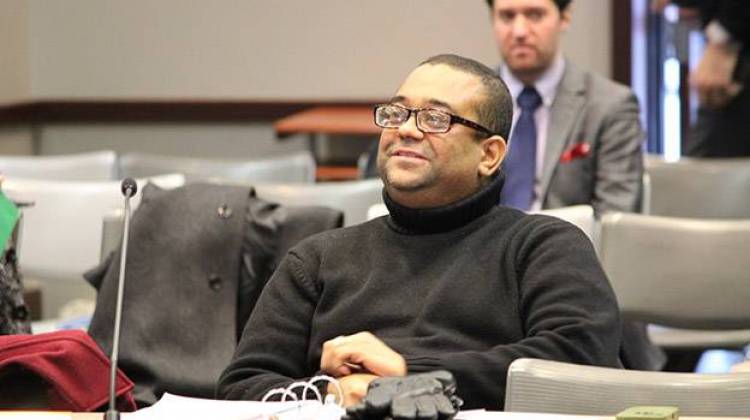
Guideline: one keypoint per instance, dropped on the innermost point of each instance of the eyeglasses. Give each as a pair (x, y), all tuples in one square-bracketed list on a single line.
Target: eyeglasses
[(429, 120)]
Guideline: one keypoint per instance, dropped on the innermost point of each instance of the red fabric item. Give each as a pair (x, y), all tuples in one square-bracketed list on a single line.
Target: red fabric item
[(576, 151), (71, 364)]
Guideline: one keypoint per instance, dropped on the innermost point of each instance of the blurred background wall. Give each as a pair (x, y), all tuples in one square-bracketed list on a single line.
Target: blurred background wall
[(261, 49), (235, 50), (14, 71)]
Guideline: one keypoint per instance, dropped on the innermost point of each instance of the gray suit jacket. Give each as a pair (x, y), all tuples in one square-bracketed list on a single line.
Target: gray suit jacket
[(593, 152)]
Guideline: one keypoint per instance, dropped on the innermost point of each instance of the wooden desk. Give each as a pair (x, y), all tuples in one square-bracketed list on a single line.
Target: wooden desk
[(469, 415), (353, 119), (329, 120)]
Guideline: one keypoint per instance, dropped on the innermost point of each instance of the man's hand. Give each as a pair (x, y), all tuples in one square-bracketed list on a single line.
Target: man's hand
[(361, 352), (712, 78), (687, 14), (658, 6), (354, 387)]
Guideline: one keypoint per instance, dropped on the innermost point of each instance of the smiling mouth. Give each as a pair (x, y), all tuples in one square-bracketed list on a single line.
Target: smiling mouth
[(407, 154)]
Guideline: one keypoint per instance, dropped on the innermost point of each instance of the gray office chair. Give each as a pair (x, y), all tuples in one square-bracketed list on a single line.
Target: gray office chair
[(646, 198), (690, 275), (354, 198), (700, 188), (544, 386), (91, 166), (377, 210), (297, 167), (581, 215), (61, 233)]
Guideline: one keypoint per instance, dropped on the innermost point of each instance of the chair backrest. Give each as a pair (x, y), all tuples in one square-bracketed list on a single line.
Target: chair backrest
[(354, 198), (646, 201), (700, 188), (112, 225), (92, 166), (61, 233), (581, 215), (293, 168), (377, 210), (545, 386), (678, 272)]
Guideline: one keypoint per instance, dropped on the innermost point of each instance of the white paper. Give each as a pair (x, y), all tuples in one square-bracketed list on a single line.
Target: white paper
[(30, 415), (176, 407)]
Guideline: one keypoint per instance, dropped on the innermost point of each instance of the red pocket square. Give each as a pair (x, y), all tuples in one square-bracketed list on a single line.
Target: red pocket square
[(576, 151)]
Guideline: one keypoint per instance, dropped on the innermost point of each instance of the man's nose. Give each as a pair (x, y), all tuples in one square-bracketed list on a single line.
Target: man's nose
[(520, 26), (409, 128)]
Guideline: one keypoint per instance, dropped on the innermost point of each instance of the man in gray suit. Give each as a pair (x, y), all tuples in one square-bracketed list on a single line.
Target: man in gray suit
[(577, 136)]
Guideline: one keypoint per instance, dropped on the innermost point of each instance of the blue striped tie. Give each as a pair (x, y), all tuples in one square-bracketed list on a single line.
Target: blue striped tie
[(520, 163)]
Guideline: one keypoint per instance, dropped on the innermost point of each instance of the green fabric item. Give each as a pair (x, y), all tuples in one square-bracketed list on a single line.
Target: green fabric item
[(8, 219)]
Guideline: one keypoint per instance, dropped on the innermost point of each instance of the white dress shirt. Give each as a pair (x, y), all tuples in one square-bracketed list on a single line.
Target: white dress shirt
[(546, 85)]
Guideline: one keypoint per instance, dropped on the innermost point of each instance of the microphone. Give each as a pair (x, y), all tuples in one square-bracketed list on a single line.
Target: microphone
[(128, 187)]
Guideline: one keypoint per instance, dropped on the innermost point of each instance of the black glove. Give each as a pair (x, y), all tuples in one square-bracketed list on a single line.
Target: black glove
[(421, 396), (420, 405)]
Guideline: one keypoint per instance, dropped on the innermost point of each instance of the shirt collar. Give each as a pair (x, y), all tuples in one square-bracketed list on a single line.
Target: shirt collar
[(545, 85)]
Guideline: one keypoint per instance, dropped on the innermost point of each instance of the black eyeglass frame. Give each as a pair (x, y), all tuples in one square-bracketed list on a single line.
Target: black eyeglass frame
[(455, 119)]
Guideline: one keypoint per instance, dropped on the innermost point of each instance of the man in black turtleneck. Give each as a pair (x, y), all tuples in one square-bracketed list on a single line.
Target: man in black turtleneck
[(448, 281)]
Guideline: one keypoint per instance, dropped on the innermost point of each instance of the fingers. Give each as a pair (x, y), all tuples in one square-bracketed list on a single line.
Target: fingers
[(404, 409), (713, 96), (444, 407), (426, 407), (422, 407), (354, 388), (380, 395), (337, 357), (713, 91), (712, 78), (354, 391), (361, 352)]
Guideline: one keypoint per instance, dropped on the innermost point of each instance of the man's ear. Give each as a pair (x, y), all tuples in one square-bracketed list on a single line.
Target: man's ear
[(493, 153), (566, 16)]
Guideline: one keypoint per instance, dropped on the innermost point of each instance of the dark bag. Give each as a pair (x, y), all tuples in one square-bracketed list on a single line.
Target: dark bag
[(14, 315)]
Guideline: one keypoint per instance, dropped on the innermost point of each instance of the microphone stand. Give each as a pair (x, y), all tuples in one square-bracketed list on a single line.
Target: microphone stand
[(128, 187)]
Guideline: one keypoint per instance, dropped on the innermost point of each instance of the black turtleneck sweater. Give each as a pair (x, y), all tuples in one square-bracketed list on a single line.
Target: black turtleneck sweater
[(468, 287)]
